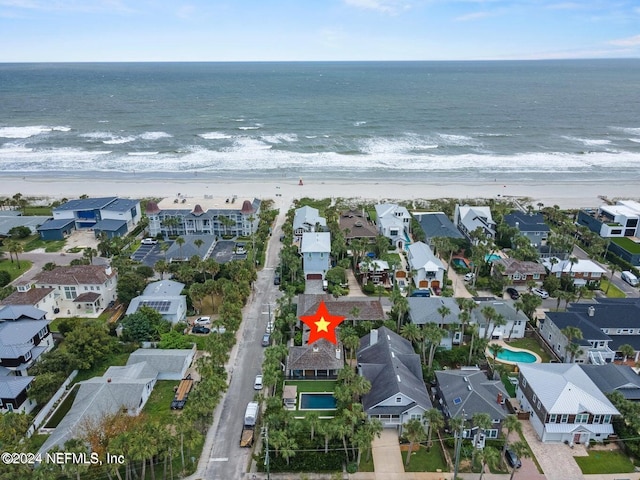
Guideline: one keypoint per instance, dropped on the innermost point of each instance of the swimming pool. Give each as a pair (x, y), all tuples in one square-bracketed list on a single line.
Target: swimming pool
[(317, 401), (492, 258), (516, 356), (459, 262)]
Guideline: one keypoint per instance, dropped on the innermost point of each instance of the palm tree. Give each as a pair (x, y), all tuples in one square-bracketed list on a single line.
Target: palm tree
[(313, 420), (489, 456), (288, 448), (443, 310), (474, 333), (436, 421), (481, 421), (572, 333), (510, 424), (626, 350), (414, 431), (489, 313), (198, 242), (14, 247), (573, 349), (572, 261), (401, 307), (411, 332), (180, 241), (432, 335), (495, 349), (354, 313), (521, 449)]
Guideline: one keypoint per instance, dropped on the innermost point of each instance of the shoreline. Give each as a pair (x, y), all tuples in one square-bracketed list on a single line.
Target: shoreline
[(566, 195)]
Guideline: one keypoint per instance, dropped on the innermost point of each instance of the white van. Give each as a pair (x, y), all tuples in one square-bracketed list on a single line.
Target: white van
[(630, 278)]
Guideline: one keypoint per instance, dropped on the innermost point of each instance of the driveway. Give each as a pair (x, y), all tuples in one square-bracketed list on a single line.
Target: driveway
[(556, 459), (387, 460)]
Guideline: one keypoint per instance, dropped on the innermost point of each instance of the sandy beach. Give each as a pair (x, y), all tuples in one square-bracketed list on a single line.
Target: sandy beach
[(565, 195)]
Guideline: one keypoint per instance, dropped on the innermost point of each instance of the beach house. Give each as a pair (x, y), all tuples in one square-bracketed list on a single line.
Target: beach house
[(470, 219), (165, 297), (564, 404), (394, 222), (315, 249), (307, 219), (428, 269)]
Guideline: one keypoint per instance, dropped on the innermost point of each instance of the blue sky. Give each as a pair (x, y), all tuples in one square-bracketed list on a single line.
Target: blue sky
[(296, 30)]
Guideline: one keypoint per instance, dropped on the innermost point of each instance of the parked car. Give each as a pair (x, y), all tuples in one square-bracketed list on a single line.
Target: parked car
[(512, 458), (542, 293), (270, 327), (629, 277), (421, 293), (149, 241), (203, 321), (200, 329), (276, 279), (257, 384), (469, 276), (513, 293), (266, 339)]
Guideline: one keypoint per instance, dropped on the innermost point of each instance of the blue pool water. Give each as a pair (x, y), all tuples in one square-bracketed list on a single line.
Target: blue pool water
[(513, 356), (491, 258), (317, 401), (458, 262)]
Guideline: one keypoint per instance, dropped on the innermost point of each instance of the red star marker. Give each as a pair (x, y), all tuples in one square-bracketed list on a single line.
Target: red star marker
[(322, 324)]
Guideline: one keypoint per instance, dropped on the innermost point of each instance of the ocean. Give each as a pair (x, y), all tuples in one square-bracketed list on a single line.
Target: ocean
[(527, 120)]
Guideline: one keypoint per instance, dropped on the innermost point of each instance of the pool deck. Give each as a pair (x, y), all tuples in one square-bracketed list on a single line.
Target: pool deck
[(506, 346)]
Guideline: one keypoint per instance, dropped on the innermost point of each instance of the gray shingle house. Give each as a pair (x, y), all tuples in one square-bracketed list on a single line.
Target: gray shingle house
[(307, 219), (321, 359), (398, 392), (615, 378), (437, 225), (530, 225), (468, 391)]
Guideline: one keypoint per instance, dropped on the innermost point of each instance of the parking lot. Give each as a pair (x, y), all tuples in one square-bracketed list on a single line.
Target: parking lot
[(149, 254)]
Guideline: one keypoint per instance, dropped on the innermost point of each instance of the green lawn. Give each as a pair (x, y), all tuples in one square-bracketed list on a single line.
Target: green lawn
[(601, 462), (62, 409), (426, 461), (33, 210), (158, 407), (611, 290), (49, 246), (366, 465), (12, 267), (313, 385), (531, 344), (114, 359)]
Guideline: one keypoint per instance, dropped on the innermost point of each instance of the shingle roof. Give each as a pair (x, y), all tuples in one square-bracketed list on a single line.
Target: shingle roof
[(611, 377), (163, 287), (389, 362), (30, 297), (424, 310), (566, 388), (189, 248), (527, 222), (15, 336), (437, 224), (368, 309), (74, 275), (470, 390), (511, 266), (318, 355), (165, 361), (357, 224)]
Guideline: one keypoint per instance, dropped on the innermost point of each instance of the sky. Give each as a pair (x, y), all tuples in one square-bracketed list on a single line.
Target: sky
[(316, 30)]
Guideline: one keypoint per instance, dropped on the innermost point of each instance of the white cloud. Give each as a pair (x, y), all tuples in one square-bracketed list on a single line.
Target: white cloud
[(627, 42), (386, 6), (566, 6), (114, 6)]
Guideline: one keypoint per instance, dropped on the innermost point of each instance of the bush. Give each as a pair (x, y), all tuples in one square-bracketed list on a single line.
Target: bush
[(5, 278), (352, 467), (369, 288)]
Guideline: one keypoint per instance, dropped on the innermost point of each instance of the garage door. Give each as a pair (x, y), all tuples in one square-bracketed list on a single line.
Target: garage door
[(314, 276)]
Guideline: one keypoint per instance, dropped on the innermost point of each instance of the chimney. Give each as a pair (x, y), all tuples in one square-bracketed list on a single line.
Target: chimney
[(315, 348), (373, 337), (591, 311), (338, 353), (108, 380), (500, 398)]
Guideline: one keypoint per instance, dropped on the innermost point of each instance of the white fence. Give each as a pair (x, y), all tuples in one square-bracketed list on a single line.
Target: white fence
[(44, 413)]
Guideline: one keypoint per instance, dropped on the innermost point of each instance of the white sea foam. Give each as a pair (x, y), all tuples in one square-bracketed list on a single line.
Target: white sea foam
[(119, 140), (30, 131), (627, 130), (249, 128), (214, 136), (142, 154), (457, 140), (589, 142), (359, 124), (154, 135)]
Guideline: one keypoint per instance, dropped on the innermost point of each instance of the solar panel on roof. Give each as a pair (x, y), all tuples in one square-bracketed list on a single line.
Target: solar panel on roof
[(158, 305)]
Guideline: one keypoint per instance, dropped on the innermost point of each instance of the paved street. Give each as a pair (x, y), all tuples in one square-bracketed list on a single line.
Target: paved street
[(222, 457)]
